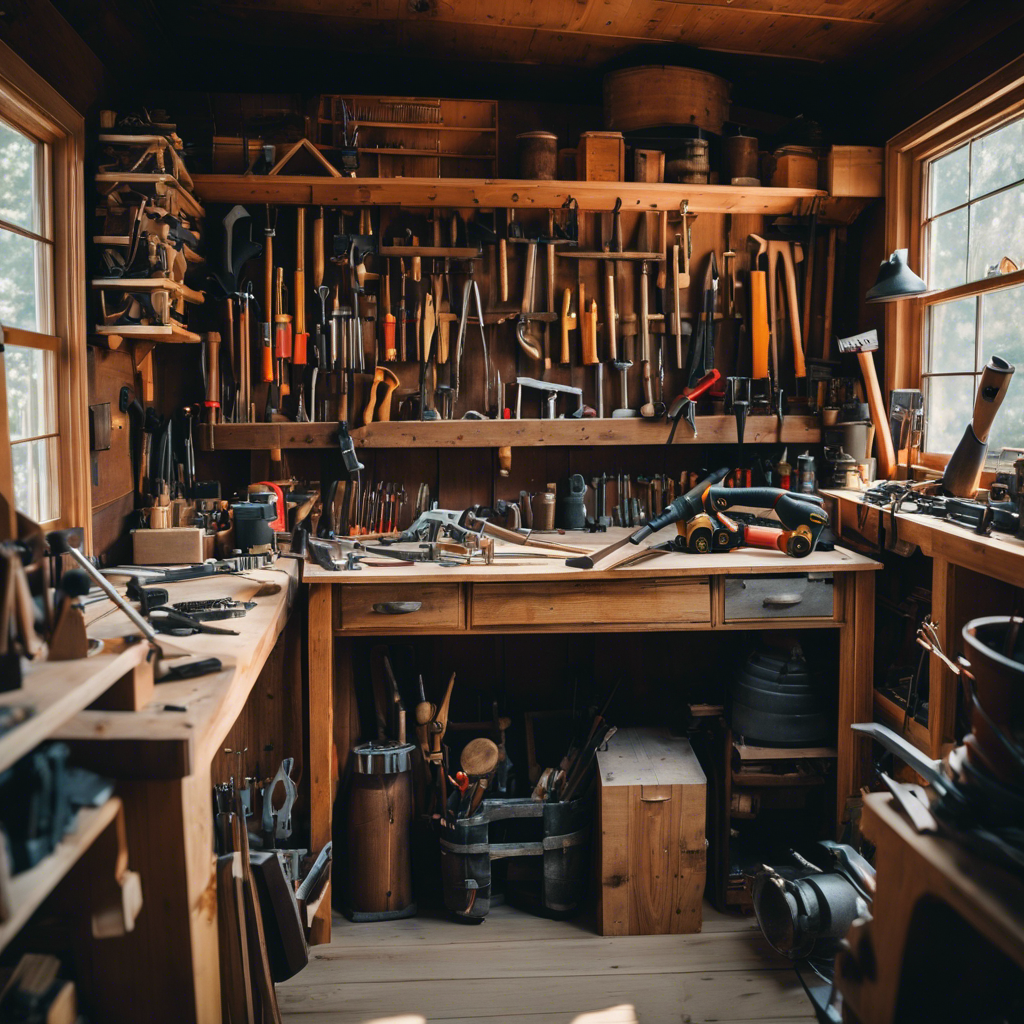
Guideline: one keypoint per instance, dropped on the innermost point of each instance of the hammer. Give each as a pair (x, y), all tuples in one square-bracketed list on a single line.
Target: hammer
[(863, 345)]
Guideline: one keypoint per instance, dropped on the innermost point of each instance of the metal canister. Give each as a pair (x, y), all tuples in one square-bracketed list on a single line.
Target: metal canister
[(380, 812), (739, 160), (573, 514), (805, 467)]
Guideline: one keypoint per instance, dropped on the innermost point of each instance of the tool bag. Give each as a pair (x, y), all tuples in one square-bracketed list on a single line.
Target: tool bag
[(563, 837)]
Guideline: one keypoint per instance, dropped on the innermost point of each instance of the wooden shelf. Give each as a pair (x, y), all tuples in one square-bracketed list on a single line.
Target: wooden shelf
[(491, 193), (889, 713), (497, 433), (188, 201), (150, 332), (58, 690), (401, 151), (29, 888), (422, 126), (749, 753)]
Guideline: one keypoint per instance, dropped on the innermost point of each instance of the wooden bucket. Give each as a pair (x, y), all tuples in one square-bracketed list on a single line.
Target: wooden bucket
[(659, 95), (739, 160), (538, 155)]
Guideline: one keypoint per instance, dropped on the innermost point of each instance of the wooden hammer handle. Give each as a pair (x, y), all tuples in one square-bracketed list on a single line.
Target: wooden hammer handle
[(300, 270), (883, 438)]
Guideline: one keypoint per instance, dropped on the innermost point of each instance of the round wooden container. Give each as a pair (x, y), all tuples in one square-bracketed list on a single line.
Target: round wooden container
[(538, 155), (380, 815), (739, 160), (660, 95), (690, 164)]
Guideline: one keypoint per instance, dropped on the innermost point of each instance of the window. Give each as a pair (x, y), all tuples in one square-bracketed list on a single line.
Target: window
[(974, 231), (42, 299), (26, 304), (955, 191)]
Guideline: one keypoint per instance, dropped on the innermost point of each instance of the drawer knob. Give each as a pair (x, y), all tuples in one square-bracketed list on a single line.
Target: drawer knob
[(782, 600), (397, 607)]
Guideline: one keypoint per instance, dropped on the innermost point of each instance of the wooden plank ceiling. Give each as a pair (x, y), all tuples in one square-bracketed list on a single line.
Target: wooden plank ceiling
[(568, 33)]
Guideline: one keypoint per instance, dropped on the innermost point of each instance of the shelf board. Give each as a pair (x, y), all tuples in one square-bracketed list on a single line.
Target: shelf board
[(150, 332), (29, 888), (485, 193), (401, 151), (889, 713), (422, 126), (188, 200), (57, 691), (498, 433), (749, 753)]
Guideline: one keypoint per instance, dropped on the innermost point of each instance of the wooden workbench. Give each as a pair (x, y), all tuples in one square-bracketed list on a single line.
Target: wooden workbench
[(959, 556), (167, 969), (526, 595)]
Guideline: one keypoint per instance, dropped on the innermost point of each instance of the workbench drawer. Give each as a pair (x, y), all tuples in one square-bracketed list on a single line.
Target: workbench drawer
[(585, 603), (804, 595), (378, 608)]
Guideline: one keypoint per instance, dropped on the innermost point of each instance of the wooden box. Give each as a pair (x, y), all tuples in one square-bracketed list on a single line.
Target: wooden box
[(177, 545), (856, 171), (601, 156), (651, 847)]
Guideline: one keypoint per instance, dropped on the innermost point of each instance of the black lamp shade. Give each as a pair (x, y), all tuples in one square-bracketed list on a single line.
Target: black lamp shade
[(895, 280)]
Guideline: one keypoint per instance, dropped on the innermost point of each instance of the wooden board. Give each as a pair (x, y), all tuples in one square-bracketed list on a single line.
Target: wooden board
[(651, 851), (484, 193), (805, 430), (29, 888), (58, 690), (159, 743)]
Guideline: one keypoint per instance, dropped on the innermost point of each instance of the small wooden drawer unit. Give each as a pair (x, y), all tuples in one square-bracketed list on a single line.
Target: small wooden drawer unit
[(805, 595), (651, 849), (581, 603), (400, 608)]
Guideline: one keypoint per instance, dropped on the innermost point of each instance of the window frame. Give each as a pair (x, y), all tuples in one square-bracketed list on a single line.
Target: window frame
[(997, 99), (31, 105)]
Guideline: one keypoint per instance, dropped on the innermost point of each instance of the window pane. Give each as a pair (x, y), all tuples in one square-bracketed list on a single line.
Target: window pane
[(950, 345), (31, 392), (997, 159), (1002, 327), (947, 251), (947, 181), (25, 275), (997, 230), (20, 159), (948, 403), (35, 486)]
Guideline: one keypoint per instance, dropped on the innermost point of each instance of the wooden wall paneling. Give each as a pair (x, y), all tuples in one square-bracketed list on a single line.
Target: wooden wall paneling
[(465, 477), (111, 474)]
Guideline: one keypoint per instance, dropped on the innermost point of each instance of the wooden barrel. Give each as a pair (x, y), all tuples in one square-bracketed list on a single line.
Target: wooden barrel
[(380, 813), (538, 155), (659, 95), (690, 164), (739, 160)]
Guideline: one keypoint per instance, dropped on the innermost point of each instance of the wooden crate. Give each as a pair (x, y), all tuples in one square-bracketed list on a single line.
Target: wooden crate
[(856, 171), (651, 846), (601, 156), (177, 545)]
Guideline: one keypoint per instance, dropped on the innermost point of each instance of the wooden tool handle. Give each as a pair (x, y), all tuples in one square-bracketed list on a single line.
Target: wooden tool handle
[(318, 249), (444, 326), (793, 302), (267, 356), (212, 343), (645, 324), (662, 246), (609, 314), (531, 273), (390, 352), (759, 323), (995, 379), (268, 278), (567, 325), (684, 277), (416, 272), (300, 271), (883, 439), (384, 409), (549, 293), (371, 400), (299, 341), (429, 323), (590, 348), (503, 268)]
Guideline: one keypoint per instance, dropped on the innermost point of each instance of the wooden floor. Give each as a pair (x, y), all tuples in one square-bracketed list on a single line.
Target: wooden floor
[(515, 968)]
